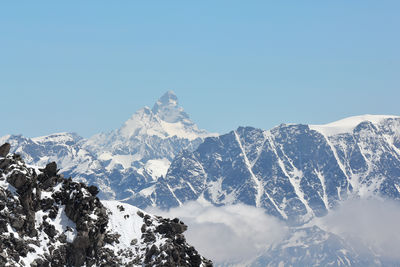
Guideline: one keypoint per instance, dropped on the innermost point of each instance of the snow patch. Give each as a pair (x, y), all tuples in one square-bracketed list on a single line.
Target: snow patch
[(56, 138), (157, 167), (347, 125), (124, 160)]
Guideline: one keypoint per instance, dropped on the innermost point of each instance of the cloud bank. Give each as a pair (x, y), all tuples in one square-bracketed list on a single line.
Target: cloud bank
[(372, 223), (237, 234), (228, 234)]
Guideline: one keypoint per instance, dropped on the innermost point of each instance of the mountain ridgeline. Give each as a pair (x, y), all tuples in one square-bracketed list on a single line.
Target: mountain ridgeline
[(160, 158), (295, 172)]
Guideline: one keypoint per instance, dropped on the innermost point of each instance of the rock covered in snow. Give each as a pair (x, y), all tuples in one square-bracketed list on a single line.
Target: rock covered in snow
[(48, 220)]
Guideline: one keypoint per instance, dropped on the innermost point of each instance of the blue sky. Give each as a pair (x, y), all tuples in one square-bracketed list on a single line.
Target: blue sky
[(86, 66)]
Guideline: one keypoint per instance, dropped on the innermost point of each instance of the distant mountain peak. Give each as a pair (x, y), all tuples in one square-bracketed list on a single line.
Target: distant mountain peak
[(167, 109), (166, 119), (167, 99)]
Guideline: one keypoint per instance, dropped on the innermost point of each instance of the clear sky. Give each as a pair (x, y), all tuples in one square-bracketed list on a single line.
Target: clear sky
[(86, 66)]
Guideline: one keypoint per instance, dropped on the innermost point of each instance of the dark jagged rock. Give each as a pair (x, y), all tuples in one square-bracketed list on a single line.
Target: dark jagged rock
[(175, 252), (50, 169), (172, 228), (74, 226), (4, 150), (93, 190)]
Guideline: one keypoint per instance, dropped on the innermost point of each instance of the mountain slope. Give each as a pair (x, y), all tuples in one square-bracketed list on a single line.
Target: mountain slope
[(47, 220)]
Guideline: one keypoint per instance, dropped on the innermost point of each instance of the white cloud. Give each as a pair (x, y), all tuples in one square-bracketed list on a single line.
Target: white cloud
[(231, 234), (373, 223), (238, 233)]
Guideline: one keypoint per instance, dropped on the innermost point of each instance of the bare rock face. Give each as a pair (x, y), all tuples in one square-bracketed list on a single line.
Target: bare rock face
[(48, 220), (50, 169)]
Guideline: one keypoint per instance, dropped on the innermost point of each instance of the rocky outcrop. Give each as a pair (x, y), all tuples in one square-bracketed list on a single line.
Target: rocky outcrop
[(37, 200), (48, 220), (4, 149)]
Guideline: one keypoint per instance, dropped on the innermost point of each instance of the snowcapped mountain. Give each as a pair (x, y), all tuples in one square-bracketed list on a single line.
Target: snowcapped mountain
[(47, 220), (295, 172), (125, 161)]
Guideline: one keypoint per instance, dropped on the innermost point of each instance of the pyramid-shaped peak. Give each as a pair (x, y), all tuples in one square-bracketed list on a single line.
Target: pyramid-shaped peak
[(165, 119), (167, 99), (167, 109)]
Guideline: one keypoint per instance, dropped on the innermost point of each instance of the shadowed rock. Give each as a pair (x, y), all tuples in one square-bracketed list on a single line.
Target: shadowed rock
[(4, 149), (51, 169), (93, 190)]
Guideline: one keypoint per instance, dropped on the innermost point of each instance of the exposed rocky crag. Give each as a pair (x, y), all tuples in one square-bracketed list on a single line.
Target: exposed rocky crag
[(48, 220)]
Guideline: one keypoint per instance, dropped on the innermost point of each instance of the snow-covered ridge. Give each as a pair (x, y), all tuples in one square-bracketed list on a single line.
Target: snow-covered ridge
[(166, 119), (145, 122), (347, 125), (62, 137)]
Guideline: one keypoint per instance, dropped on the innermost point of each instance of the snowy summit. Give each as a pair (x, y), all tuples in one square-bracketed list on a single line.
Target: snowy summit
[(166, 119)]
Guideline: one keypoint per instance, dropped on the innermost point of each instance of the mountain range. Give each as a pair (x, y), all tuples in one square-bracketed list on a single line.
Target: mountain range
[(122, 162), (295, 172)]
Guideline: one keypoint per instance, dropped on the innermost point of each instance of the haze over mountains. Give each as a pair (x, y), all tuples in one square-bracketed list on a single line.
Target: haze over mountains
[(296, 173)]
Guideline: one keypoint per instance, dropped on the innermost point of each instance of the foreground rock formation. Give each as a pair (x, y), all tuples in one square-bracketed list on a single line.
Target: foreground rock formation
[(48, 220)]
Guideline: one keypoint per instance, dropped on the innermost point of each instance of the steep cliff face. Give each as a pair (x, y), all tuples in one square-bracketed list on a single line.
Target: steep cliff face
[(48, 220), (295, 172)]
